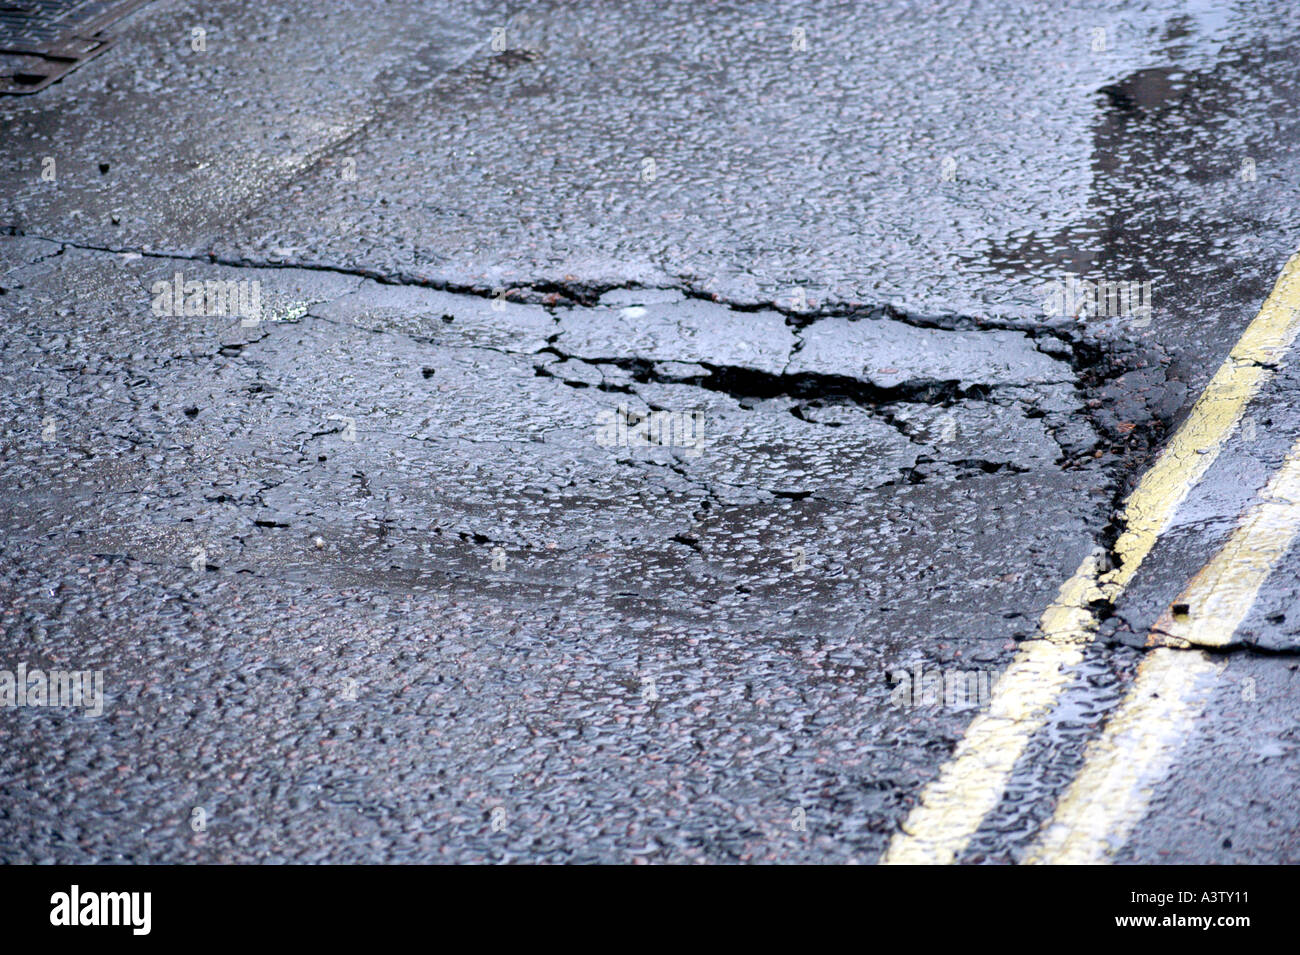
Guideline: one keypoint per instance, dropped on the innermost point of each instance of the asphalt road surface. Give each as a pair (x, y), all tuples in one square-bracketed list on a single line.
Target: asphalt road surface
[(654, 432)]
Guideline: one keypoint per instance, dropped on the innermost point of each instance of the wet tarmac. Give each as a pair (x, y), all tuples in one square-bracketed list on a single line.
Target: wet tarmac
[(633, 417)]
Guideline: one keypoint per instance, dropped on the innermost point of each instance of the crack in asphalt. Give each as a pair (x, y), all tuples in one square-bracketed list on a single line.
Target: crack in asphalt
[(735, 381), (1097, 363), (577, 294)]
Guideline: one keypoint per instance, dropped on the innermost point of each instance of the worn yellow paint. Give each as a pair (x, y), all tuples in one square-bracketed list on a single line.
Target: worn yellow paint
[(1113, 790), (970, 784), (1220, 595), (1212, 419)]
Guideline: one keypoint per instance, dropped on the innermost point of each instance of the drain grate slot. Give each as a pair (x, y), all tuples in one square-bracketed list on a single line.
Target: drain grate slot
[(41, 41)]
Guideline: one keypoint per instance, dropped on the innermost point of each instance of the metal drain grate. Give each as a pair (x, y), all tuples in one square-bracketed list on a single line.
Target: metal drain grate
[(42, 40)]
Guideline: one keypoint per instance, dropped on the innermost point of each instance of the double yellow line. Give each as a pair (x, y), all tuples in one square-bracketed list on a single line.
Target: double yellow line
[(1110, 793)]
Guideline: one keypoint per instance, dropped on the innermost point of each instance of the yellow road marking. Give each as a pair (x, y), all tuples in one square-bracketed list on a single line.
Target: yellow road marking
[(970, 784), (1122, 768), (1113, 790), (1196, 444), (1220, 595)]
